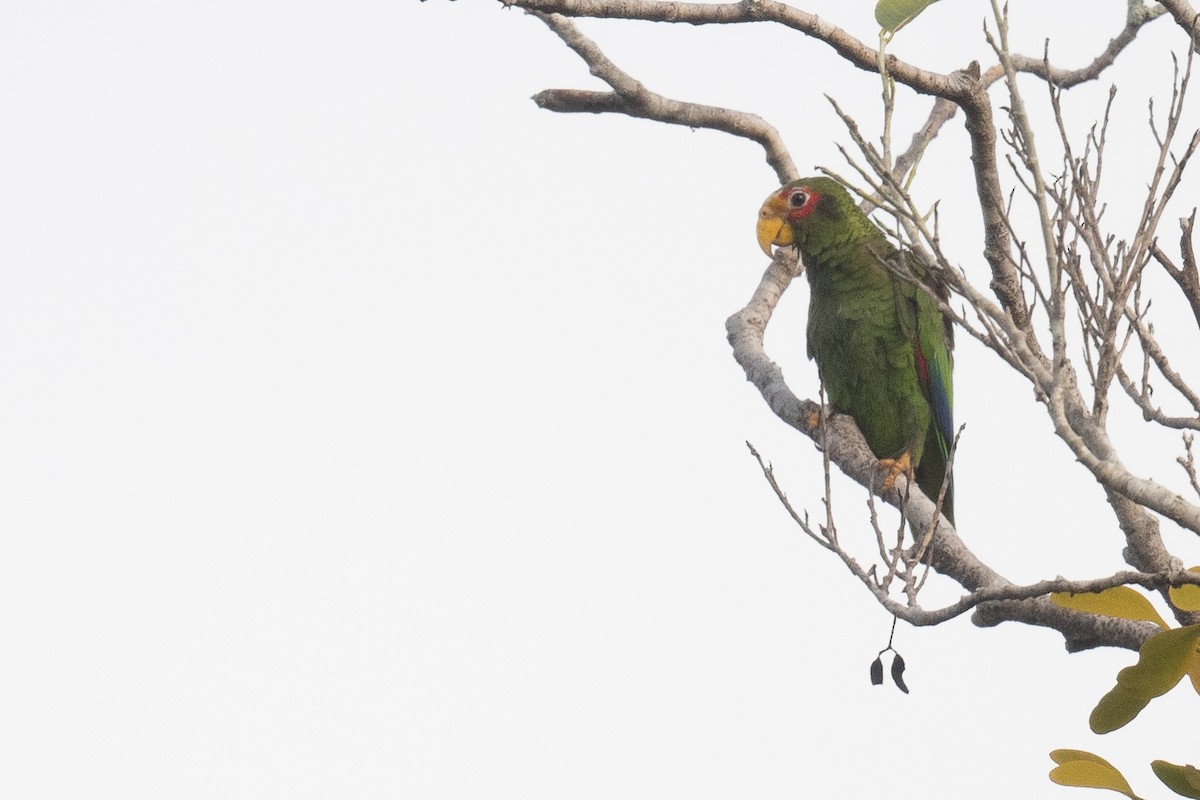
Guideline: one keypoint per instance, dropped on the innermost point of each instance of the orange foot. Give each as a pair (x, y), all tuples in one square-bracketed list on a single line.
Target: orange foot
[(896, 467), (814, 420)]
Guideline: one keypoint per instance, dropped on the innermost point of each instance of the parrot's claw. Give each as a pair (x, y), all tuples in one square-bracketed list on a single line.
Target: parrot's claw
[(896, 467)]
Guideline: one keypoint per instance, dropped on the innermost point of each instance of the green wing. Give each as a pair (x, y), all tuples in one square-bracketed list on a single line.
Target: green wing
[(932, 339)]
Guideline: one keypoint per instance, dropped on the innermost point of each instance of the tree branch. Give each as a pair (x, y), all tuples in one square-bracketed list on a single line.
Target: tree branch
[(846, 448), (1187, 276), (1137, 16), (915, 615), (847, 46), (1185, 17), (633, 99), (964, 88), (1008, 327)]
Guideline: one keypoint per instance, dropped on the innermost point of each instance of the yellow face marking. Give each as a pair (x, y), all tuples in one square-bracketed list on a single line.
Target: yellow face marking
[(772, 229)]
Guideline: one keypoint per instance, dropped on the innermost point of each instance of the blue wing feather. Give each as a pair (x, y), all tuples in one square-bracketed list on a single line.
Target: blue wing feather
[(939, 393)]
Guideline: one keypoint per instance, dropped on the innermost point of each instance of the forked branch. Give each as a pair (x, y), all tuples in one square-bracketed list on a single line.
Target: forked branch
[(1021, 295), (631, 98)]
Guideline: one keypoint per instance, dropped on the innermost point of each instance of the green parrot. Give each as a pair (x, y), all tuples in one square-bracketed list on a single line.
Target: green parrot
[(882, 345)]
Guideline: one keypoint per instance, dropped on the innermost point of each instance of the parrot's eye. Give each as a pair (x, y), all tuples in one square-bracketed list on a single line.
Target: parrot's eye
[(798, 199)]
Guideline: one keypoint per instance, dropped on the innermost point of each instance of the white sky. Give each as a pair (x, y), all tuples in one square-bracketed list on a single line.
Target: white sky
[(368, 432)]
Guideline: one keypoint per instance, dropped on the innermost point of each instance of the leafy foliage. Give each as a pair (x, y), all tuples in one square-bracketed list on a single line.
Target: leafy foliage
[(1116, 709), (892, 15), (1163, 660), (1180, 780), (1089, 771), (1186, 598), (1119, 601)]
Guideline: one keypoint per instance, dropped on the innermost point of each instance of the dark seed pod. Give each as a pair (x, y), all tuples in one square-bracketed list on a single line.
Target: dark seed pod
[(877, 671), (898, 673)]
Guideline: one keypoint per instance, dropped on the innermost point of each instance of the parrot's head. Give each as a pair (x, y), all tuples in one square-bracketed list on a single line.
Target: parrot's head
[(789, 214)]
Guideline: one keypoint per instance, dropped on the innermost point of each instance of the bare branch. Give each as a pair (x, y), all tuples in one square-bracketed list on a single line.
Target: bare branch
[(630, 97), (1187, 276), (1145, 549), (964, 88), (1130, 636), (829, 543), (1155, 353), (991, 594), (1188, 462), (850, 48), (845, 447), (1138, 16), (942, 112), (1150, 412), (1185, 17), (1108, 296), (847, 46)]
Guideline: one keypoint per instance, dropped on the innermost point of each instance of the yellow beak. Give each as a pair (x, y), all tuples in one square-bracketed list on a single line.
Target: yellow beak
[(772, 227)]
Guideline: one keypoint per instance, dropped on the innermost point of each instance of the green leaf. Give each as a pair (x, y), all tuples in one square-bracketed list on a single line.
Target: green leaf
[(1162, 662), (1183, 781), (1116, 709), (892, 15), (1119, 601), (1090, 772), (1063, 756), (1194, 671), (1186, 598)]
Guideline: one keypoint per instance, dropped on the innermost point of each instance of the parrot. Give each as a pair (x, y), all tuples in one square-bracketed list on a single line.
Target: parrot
[(883, 347)]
